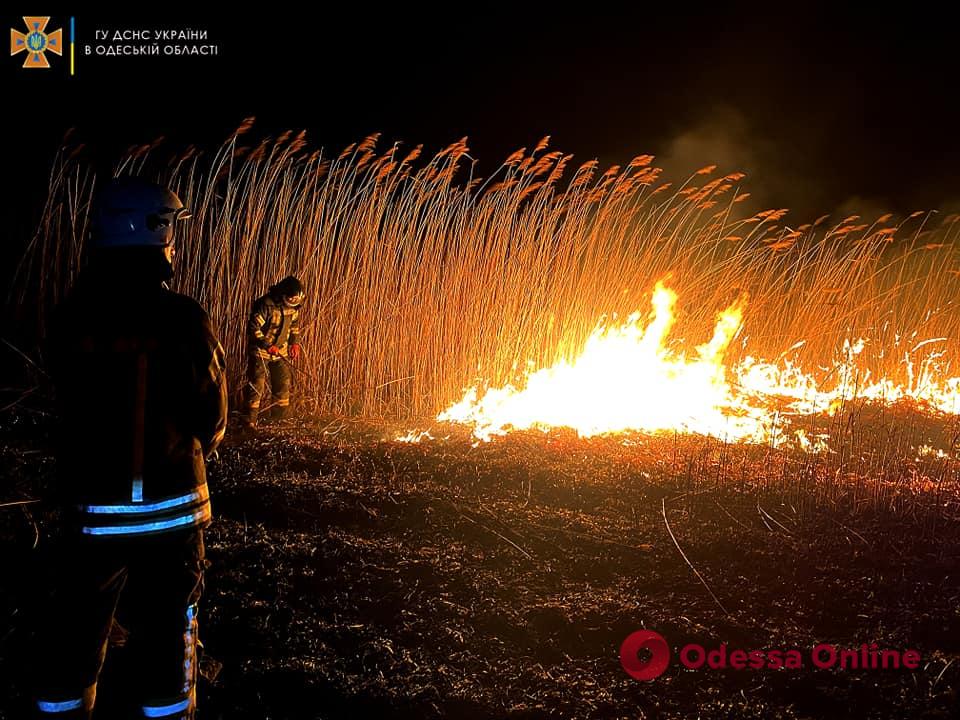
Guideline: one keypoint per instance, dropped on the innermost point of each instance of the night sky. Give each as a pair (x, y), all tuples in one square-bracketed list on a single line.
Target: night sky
[(826, 110)]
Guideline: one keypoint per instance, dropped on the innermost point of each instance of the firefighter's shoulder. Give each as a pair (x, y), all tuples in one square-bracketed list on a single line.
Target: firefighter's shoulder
[(185, 309), (263, 302)]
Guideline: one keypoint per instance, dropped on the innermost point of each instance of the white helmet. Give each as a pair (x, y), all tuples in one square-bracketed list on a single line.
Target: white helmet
[(133, 212)]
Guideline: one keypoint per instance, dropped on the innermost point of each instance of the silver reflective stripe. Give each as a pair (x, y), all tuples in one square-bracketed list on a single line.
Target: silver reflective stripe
[(200, 493), (192, 518), (136, 494), (59, 707), (160, 711)]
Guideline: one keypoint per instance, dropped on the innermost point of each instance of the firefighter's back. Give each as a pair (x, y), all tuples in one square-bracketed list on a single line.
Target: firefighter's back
[(127, 368), (141, 390)]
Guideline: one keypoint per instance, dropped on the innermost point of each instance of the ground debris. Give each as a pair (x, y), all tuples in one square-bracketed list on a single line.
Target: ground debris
[(353, 574)]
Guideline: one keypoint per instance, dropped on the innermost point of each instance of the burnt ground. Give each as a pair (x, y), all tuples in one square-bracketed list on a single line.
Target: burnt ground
[(351, 575)]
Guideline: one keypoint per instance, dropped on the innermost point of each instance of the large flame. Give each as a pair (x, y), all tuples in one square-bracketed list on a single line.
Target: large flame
[(626, 378)]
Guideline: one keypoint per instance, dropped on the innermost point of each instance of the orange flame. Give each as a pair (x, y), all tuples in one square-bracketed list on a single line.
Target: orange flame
[(626, 379)]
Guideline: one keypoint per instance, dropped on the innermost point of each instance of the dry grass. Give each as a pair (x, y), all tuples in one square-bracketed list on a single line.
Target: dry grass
[(423, 278)]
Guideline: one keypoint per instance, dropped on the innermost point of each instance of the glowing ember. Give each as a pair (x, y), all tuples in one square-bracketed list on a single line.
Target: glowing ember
[(627, 379), (415, 436)]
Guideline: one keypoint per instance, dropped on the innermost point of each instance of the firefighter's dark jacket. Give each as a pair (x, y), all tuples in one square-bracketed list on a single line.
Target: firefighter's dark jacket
[(141, 389), (272, 322)]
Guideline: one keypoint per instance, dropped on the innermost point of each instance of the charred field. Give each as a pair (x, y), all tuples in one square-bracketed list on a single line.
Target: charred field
[(350, 573)]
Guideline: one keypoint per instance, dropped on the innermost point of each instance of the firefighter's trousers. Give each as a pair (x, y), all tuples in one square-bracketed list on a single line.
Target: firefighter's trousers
[(157, 583), (263, 373)]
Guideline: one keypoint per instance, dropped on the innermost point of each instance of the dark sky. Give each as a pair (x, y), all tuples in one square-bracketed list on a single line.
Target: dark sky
[(825, 109)]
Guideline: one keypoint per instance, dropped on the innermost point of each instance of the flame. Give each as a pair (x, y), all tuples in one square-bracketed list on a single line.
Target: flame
[(627, 379), (414, 436)]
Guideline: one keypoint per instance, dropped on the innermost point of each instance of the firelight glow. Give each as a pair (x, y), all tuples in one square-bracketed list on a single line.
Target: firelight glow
[(627, 379)]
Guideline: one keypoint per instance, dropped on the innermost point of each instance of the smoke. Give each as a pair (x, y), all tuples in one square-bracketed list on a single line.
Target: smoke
[(783, 171), (724, 138)]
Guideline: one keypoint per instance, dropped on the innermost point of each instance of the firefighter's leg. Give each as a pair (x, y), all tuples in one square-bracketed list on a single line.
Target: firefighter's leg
[(280, 382), (165, 585), (71, 645), (256, 386)]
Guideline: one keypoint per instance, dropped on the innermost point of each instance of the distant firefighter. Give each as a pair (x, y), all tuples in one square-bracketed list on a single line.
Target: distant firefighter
[(142, 399), (273, 339)]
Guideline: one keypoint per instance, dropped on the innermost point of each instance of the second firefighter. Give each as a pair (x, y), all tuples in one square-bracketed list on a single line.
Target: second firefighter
[(272, 342)]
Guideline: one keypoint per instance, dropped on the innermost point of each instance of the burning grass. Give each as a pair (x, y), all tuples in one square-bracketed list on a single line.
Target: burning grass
[(424, 280), (447, 577)]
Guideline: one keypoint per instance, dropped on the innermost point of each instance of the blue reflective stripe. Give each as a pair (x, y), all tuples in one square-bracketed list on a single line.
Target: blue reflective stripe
[(136, 494), (147, 507), (190, 519), (59, 707), (159, 711)]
